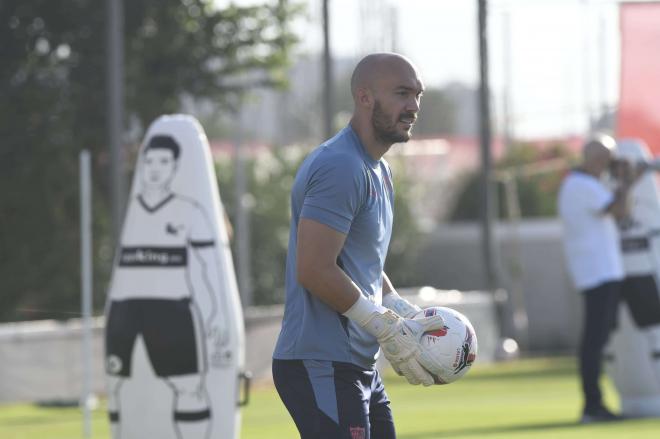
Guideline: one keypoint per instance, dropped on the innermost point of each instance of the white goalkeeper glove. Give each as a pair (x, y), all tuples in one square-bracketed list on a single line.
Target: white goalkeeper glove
[(398, 337), (400, 305)]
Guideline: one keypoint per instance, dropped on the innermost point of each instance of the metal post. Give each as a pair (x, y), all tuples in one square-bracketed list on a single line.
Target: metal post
[(328, 104), (485, 141), (394, 26), (508, 83), (602, 66), (587, 77), (115, 100), (242, 218), (86, 287), (518, 320)]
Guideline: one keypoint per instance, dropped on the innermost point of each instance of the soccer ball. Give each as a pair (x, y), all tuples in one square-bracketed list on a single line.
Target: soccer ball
[(449, 352)]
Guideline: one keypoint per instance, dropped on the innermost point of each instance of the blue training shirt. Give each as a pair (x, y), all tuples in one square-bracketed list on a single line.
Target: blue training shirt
[(341, 186)]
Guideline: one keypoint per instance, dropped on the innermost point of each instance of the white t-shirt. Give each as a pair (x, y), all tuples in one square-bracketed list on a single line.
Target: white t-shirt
[(591, 237), (154, 256)]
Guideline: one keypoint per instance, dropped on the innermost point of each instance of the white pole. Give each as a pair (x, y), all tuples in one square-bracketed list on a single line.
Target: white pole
[(587, 78), (243, 235), (115, 108), (507, 89), (86, 287)]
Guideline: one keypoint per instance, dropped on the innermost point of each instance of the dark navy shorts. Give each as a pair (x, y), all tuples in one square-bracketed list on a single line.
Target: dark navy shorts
[(167, 328), (334, 400), (641, 295)]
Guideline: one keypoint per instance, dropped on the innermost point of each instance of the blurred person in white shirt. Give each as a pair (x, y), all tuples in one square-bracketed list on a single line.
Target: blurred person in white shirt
[(589, 210)]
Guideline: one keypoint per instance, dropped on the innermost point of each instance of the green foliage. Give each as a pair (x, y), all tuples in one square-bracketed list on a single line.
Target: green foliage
[(537, 192), (189, 48), (269, 180), (405, 232), (270, 177), (53, 104)]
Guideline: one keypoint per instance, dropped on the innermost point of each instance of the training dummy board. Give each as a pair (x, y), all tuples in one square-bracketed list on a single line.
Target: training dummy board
[(633, 354), (174, 325)]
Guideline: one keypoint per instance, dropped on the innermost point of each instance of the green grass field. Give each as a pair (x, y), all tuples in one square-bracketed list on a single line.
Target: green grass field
[(536, 398)]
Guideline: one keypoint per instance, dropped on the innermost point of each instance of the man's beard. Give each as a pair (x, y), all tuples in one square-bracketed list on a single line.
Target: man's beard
[(385, 129)]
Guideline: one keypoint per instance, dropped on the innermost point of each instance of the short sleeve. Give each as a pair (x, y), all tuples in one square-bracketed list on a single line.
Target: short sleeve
[(334, 192), (585, 194), (597, 198), (200, 228), (580, 194), (388, 178)]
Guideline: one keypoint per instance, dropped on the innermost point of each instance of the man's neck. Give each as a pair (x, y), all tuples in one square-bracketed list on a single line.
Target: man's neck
[(590, 171), (153, 196), (375, 148)]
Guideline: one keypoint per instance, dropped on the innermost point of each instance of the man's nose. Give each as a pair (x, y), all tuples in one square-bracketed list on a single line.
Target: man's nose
[(413, 104)]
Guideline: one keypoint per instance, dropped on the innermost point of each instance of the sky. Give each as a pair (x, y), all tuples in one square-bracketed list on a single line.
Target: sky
[(555, 63)]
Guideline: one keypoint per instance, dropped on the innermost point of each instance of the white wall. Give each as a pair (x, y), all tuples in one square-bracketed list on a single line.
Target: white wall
[(451, 259), (42, 360)]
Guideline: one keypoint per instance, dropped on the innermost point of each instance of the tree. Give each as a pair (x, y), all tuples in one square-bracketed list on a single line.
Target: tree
[(52, 105), (406, 234), (537, 193)]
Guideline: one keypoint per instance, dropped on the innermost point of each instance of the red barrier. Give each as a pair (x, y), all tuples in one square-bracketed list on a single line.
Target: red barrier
[(639, 102)]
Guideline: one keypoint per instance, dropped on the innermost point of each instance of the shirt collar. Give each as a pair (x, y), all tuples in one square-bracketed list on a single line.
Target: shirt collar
[(358, 143)]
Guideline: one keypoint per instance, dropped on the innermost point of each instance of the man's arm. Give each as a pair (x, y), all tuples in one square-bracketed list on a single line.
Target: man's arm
[(627, 176), (208, 277), (619, 205), (396, 303), (387, 285), (317, 270)]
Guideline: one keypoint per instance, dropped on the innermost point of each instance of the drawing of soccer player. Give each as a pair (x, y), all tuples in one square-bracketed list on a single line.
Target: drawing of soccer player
[(165, 288)]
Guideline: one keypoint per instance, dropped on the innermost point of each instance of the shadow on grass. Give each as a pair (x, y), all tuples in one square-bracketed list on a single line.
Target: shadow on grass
[(36, 419), (504, 371), (524, 375), (514, 375), (485, 431), (31, 421)]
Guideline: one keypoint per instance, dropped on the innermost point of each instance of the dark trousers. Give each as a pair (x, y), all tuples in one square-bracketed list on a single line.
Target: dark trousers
[(334, 400), (600, 316)]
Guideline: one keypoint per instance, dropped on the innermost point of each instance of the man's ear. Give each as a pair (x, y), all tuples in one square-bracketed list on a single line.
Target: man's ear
[(364, 97)]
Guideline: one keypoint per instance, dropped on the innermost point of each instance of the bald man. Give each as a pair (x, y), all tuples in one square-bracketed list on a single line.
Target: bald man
[(340, 305), (588, 210)]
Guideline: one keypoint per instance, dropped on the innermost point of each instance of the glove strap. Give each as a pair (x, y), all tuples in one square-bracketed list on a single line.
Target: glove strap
[(400, 305), (367, 314)]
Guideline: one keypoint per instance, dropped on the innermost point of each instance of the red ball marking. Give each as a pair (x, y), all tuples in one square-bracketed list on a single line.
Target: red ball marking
[(438, 332)]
